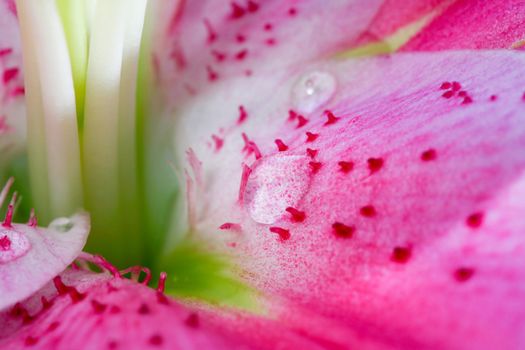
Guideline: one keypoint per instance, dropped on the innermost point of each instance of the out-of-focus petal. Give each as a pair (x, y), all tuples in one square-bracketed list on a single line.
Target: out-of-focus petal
[(83, 310), (397, 214)]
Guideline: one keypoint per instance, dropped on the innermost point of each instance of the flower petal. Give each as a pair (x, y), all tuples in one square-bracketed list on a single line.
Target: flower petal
[(396, 212), (31, 256), (84, 310)]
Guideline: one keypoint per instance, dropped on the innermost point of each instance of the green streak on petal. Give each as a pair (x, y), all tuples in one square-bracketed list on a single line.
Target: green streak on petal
[(199, 275), (74, 20), (396, 40)]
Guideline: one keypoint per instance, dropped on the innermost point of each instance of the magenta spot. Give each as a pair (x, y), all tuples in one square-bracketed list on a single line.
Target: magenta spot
[(241, 55), (292, 11), (297, 215), (230, 226), (268, 27), (467, 100), (346, 167), (429, 155), (236, 11), (219, 142), (270, 42), (192, 321), (62, 289), (5, 243), (246, 171), (401, 255), (46, 304), (331, 118), (463, 274), (5, 51), (240, 38), (292, 115), (375, 164), (114, 309), (252, 6), (219, 56), (475, 220), (462, 93), (312, 153), (343, 231), (456, 86), (315, 166), (144, 309), (493, 97), (284, 234), (445, 85), (10, 74), (98, 307), (242, 115), (301, 121), (53, 326), (311, 137), (112, 345), (212, 75), (281, 146), (212, 34), (30, 341), (156, 340), (368, 211), (448, 94)]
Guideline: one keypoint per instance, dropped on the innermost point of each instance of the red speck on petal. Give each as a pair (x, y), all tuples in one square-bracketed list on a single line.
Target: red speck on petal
[(302, 121), (192, 321), (10, 74), (62, 289), (311, 137), (463, 274), (230, 226), (98, 307), (346, 167), (475, 220), (212, 75), (368, 211), (5, 243), (448, 94), (156, 340), (250, 147), (331, 118), (292, 115), (5, 51), (30, 341), (315, 166), (53, 326), (312, 153), (212, 34), (283, 233), (268, 27), (281, 146), (252, 6), (445, 85), (46, 304), (493, 97), (246, 171), (219, 142), (270, 42), (292, 11), (462, 93), (242, 115), (375, 164), (297, 215), (343, 231), (456, 86), (144, 309), (428, 155), (240, 38), (241, 55), (236, 11), (219, 56), (401, 255), (467, 100)]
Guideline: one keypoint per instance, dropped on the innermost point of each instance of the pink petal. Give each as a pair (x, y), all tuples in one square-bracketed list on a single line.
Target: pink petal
[(210, 41), (83, 310), (30, 256), (413, 228)]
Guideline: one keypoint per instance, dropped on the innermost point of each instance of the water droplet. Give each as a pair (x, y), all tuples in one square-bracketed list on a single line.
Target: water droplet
[(14, 245), (313, 90), (61, 224), (276, 183)]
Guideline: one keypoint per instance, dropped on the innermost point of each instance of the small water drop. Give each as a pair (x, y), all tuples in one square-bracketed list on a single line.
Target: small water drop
[(61, 224), (14, 245), (276, 183), (313, 90)]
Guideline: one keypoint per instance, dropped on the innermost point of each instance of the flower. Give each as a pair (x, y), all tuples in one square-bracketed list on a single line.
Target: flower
[(350, 175)]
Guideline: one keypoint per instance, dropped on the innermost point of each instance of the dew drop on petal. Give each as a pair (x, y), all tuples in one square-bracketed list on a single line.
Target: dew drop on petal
[(276, 183), (61, 224), (12, 245), (313, 90)]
